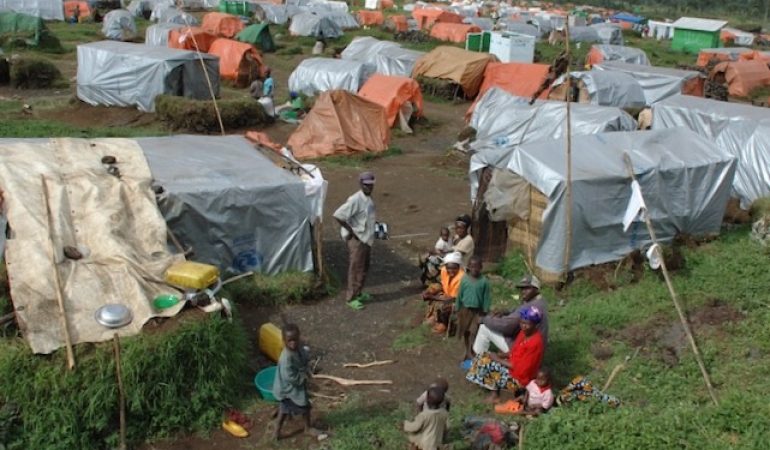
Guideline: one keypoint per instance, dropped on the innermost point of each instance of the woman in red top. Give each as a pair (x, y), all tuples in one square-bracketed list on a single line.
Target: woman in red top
[(495, 373)]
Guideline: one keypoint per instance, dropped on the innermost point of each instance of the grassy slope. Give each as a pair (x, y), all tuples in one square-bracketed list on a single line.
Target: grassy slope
[(663, 407)]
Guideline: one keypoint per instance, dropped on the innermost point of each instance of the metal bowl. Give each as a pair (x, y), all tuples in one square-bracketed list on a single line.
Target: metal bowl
[(113, 315)]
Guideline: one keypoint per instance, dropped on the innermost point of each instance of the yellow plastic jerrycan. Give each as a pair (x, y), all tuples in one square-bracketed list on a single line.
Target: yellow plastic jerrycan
[(270, 341)]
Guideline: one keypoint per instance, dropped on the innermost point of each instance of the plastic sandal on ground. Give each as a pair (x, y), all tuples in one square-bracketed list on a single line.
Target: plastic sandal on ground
[(509, 407)]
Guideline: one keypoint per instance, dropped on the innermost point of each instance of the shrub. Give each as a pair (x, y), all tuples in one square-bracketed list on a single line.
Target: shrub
[(33, 73), (199, 116)]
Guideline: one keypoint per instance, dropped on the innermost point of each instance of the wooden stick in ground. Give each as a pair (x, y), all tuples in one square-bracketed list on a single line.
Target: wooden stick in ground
[(371, 364), (121, 393), (521, 437), (57, 280), (618, 368), (568, 134), (349, 382), (674, 297)]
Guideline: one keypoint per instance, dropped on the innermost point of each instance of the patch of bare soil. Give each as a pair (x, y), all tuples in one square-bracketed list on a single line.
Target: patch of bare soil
[(81, 114)]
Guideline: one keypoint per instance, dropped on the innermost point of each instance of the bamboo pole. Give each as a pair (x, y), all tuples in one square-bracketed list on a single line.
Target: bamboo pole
[(568, 132), (674, 297), (206, 74), (57, 280), (121, 392)]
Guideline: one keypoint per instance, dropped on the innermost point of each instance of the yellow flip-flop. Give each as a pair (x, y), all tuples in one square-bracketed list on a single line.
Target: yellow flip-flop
[(234, 429)]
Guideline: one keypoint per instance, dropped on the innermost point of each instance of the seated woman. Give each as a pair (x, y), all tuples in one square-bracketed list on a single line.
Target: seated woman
[(463, 242), (492, 372), (441, 297)]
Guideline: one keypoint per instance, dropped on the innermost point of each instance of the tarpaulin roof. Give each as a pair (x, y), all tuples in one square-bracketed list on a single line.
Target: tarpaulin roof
[(519, 79), (221, 24), (684, 177), (503, 121), (452, 32), (344, 20), (611, 88), (385, 57), (485, 23), (20, 25), (627, 17), (451, 63), (744, 76), (341, 123), (314, 75), (82, 8), (169, 14), (737, 36), (370, 17), (426, 17), (138, 7), (608, 33), (391, 92), (584, 34), (722, 54), (631, 55), (741, 130), (191, 38), (119, 25), (310, 24), (44, 9), (276, 14), (659, 82), (123, 74), (523, 28), (234, 57), (259, 35), (157, 35), (235, 207), (692, 23)]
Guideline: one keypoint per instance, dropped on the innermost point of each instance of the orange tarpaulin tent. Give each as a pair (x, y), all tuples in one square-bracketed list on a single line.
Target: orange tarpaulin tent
[(755, 56), (370, 17), (221, 24), (427, 17), (454, 64), (720, 54), (391, 92), (520, 79), (238, 61), (452, 32), (186, 38), (386, 4), (743, 76), (399, 22), (83, 9), (341, 123)]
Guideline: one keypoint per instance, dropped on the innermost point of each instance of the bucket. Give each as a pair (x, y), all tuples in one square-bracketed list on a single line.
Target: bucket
[(264, 383)]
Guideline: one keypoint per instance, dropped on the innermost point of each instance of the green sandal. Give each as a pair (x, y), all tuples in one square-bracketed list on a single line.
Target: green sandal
[(356, 304)]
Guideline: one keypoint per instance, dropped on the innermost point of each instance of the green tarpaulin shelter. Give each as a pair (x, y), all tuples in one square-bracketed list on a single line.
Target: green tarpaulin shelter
[(28, 30), (259, 35)]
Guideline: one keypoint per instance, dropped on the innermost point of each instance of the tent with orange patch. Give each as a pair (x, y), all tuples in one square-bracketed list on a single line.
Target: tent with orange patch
[(452, 32), (341, 123), (191, 38), (221, 24), (427, 17), (721, 54), (454, 64), (392, 92), (238, 61), (519, 79), (368, 18), (742, 77), (399, 22)]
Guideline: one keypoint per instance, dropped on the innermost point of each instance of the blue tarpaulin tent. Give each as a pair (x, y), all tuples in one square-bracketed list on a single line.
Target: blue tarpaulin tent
[(627, 17)]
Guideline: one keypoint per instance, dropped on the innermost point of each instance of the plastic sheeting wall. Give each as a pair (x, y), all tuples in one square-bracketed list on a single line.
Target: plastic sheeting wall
[(45, 9), (608, 33), (741, 130), (629, 55), (612, 89), (658, 83), (123, 74), (309, 24), (384, 57), (503, 121), (157, 35), (119, 25), (315, 75), (237, 209), (685, 180)]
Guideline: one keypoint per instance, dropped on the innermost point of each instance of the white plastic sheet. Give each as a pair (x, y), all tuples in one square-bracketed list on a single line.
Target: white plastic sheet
[(385, 57), (157, 35), (622, 53), (658, 83), (610, 34), (315, 75), (612, 89), (684, 177), (311, 24), (119, 25), (45, 9), (123, 74), (741, 130)]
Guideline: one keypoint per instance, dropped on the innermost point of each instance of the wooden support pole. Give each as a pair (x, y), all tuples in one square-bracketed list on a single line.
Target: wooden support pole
[(57, 280), (121, 392), (672, 292), (568, 158)]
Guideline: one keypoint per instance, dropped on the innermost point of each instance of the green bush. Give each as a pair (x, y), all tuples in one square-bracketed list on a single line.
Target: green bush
[(179, 380), (199, 116), (33, 73)]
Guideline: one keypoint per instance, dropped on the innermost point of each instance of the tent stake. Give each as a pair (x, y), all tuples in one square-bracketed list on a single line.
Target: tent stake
[(667, 278)]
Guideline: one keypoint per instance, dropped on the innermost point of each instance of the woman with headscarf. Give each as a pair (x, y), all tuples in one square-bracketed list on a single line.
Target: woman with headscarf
[(463, 242), (493, 372), (441, 297)]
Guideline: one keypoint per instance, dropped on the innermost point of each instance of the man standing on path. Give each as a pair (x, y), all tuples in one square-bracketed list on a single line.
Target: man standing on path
[(356, 217), (501, 329)]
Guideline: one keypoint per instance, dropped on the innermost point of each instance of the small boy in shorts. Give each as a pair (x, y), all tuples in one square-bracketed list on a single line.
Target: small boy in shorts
[(473, 301), (427, 430)]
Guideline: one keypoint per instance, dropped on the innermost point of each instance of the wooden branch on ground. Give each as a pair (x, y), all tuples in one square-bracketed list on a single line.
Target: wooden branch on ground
[(349, 382), (371, 364)]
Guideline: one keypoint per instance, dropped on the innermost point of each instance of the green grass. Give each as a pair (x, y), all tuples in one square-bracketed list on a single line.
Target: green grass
[(412, 338), (284, 288), (41, 128)]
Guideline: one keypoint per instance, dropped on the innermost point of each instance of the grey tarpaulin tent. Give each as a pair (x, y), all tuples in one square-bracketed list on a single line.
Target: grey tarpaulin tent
[(741, 130), (684, 178), (503, 121), (315, 75), (658, 83), (157, 35), (123, 74), (609, 88), (119, 25), (522, 28), (311, 24), (584, 34), (236, 208), (621, 53), (45, 9), (609, 33), (275, 14), (170, 14), (385, 57), (344, 20)]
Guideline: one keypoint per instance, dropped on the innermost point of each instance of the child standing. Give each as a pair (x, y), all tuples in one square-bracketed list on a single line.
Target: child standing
[(442, 384), (473, 301), (426, 431), (290, 385)]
